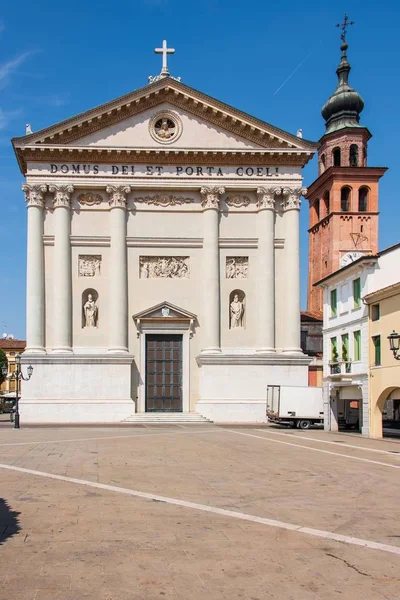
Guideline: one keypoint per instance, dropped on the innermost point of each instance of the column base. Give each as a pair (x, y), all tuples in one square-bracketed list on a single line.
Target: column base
[(35, 350), (62, 350), (266, 351), (292, 351), (118, 350), (211, 350)]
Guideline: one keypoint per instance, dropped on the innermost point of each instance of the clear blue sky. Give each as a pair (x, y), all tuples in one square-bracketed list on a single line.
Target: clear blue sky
[(59, 59)]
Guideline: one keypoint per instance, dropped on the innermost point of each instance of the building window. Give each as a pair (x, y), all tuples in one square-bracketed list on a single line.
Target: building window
[(353, 158), (316, 207), (334, 352), (345, 198), (326, 200), (336, 157), (333, 303), (303, 340), (345, 347), (376, 339), (375, 312), (11, 367), (357, 345), (363, 199), (12, 385), (357, 292), (12, 353), (323, 161)]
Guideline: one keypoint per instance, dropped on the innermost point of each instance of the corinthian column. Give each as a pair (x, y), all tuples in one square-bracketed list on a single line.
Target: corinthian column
[(35, 329), (266, 269), (62, 307), (118, 303), (291, 298), (211, 285)]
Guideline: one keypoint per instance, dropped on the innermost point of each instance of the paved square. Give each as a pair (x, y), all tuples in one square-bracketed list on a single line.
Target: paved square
[(197, 512)]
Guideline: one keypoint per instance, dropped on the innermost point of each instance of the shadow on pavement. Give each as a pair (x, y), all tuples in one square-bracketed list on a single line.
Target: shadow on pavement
[(9, 523)]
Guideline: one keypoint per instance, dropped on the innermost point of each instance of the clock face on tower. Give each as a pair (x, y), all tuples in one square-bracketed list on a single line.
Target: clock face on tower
[(349, 258)]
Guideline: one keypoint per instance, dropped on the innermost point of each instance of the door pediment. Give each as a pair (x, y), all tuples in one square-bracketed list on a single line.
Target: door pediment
[(164, 311)]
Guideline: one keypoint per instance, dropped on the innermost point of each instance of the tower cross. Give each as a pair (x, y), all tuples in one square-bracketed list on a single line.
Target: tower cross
[(164, 51), (344, 27)]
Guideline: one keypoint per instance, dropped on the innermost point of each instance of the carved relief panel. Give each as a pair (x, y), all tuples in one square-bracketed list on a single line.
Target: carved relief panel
[(89, 265), (164, 267), (237, 267)]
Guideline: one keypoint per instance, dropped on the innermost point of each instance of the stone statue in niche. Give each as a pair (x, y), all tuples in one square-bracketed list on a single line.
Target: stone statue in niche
[(89, 265), (164, 267), (237, 267), (90, 309), (236, 309)]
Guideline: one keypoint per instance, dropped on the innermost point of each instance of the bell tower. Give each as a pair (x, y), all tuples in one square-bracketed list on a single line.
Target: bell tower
[(343, 200)]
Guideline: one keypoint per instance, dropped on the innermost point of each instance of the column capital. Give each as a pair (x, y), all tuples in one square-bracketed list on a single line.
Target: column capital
[(292, 200), (210, 197), (266, 197), (62, 195), (117, 195), (34, 194)]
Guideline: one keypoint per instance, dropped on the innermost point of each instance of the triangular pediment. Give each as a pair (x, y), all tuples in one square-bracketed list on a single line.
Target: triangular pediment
[(164, 310), (127, 123)]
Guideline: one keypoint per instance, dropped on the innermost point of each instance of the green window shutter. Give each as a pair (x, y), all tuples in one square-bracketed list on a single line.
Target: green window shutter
[(333, 303), (357, 292), (357, 345), (377, 343)]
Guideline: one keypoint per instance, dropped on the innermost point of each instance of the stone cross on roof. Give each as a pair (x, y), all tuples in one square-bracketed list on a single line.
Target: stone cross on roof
[(344, 27), (164, 71), (164, 51)]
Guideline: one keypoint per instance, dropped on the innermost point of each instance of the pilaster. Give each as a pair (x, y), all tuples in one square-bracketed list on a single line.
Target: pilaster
[(62, 305), (210, 197), (118, 304), (35, 299)]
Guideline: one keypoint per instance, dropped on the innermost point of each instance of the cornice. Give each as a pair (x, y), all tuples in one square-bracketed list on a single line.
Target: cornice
[(345, 174)]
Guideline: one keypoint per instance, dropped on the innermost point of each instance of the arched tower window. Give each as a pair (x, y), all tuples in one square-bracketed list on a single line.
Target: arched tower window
[(323, 163), (336, 157), (316, 208), (363, 199), (327, 202), (345, 198), (353, 158)]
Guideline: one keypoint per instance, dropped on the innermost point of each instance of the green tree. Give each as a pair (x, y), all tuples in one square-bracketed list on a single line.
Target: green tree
[(3, 362)]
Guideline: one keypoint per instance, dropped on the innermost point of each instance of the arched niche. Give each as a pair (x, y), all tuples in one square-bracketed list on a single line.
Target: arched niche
[(363, 198), (90, 308), (237, 309), (345, 196)]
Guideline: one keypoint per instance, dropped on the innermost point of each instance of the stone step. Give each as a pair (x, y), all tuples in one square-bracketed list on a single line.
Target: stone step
[(166, 418)]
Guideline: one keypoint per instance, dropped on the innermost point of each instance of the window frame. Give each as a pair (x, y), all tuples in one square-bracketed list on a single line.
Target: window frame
[(357, 302), (376, 340), (357, 344), (333, 305), (377, 315)]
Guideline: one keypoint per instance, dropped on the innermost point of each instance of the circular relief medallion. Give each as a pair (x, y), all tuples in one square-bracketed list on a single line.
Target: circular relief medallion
[(165, 127)]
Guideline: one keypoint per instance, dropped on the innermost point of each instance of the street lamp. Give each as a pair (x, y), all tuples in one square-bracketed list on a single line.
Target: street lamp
[(17, 375), (394, 343)]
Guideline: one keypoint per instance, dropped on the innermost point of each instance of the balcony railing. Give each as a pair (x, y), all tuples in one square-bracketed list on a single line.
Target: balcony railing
[(340, 368)]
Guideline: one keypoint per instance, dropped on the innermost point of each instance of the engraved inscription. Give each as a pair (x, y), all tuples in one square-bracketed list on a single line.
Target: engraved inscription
[(164, 267)]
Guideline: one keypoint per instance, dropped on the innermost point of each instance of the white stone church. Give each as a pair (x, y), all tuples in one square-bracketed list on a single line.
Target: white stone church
[(163, 260)]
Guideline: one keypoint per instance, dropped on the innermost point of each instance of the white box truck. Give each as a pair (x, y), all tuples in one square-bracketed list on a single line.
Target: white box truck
[(295, 406)]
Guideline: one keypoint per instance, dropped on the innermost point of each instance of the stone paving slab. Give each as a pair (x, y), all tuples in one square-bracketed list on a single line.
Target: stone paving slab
[(69, 541)]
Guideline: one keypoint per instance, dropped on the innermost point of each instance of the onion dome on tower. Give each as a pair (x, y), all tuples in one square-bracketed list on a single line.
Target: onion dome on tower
[(343, 108)]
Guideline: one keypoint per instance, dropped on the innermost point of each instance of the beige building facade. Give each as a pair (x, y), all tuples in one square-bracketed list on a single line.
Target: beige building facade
[(163, 260), (383, 319)]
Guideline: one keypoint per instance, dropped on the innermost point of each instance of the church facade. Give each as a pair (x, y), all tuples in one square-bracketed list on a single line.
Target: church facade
[(163, 260)]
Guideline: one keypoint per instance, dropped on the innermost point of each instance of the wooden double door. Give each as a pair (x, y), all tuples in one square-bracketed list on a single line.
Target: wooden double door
[(163, 373)]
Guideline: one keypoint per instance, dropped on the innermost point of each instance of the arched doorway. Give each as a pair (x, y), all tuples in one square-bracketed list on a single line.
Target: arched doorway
[(386, 413)]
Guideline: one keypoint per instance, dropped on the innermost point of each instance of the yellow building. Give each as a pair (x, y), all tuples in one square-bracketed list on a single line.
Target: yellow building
[(11, 348), (384, 369)]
